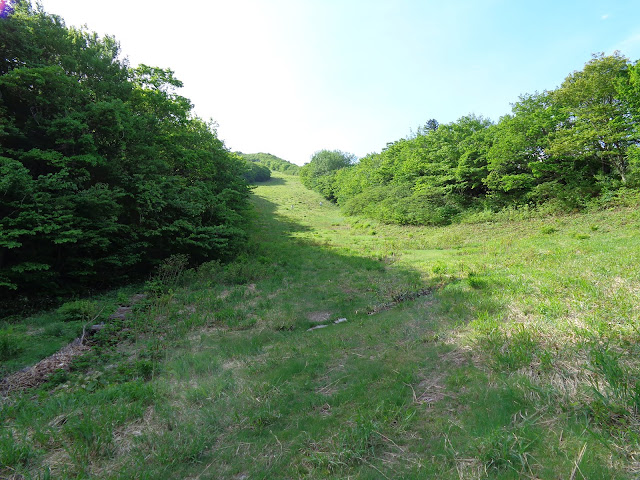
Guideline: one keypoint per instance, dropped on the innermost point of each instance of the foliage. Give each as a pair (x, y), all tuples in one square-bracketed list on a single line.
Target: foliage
[(271, 162), (78, 310), (319, 173), (557, 151), (10, 344), (598, 125), (167, 274), (256, 172), (104, 170)]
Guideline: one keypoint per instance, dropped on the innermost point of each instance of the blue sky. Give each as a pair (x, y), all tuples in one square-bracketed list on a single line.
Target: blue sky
[(291, 77)]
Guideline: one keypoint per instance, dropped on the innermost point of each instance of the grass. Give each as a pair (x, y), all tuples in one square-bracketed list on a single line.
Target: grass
[(520, 363)]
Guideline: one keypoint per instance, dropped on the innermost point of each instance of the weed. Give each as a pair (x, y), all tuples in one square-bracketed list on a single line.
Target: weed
[(167, 274), (57, 378), (144, 369), (518, 349), (353, 444), (580, 236), (56, 329), (245, 270), (477, 282), (10, 344), (509, 447), (617, 389), (15, 453), (439, 268)]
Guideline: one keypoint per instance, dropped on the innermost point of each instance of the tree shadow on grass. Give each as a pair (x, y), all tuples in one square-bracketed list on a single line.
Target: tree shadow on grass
[(372, 368), (272, 181), (327, 277)]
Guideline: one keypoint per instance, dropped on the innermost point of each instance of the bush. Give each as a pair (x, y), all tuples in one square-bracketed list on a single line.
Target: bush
[(168, 274), (256, 173), (78, 311)]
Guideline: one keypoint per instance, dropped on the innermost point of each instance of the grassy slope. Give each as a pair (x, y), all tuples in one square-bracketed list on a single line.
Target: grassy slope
[(520, 363)]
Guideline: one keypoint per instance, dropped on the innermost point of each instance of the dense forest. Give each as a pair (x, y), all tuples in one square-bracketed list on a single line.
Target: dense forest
[(104, 169), (559, 150)]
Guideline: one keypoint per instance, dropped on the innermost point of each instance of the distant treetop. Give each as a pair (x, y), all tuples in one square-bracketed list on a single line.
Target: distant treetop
[(272, 162)]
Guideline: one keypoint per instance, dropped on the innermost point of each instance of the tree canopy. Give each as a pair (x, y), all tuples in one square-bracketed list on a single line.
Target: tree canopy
[(318, 173), (561, 149), (104, 168)]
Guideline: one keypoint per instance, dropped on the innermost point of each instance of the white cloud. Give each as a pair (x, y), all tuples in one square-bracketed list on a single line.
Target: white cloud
[(605, 16)]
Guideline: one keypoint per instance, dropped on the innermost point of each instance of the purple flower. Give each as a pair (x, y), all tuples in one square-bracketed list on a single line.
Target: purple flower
[(5, 8)]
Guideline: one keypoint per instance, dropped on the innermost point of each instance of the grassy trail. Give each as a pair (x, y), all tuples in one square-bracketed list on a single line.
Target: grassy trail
[(521, 363)]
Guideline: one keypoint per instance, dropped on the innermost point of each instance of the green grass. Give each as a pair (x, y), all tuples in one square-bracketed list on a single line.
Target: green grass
[(25, 341), (521, 363)]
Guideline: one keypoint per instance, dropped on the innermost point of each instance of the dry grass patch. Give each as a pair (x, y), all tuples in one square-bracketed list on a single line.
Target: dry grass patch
[(319, 317), (43, 370)]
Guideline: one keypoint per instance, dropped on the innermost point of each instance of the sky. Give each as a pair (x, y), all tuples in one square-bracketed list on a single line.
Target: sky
[(291, 77)]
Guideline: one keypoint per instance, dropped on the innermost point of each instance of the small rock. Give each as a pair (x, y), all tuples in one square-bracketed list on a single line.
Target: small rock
[(317, 327), (340, 320), (96, 328), (120, 314), (137, 298)]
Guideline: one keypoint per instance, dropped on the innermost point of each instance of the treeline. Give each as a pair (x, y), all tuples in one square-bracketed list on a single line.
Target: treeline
[(104, 169), (272, 162), (558, 150)]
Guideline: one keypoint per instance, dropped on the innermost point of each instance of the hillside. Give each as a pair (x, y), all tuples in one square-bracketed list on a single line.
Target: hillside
[(494, 350), (274, 163)]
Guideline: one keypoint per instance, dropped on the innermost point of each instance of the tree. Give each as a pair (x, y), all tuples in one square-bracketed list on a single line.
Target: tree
[(256, 172), (599, 122), (318, 173), (104, 169), (519, 158), (272, 162)]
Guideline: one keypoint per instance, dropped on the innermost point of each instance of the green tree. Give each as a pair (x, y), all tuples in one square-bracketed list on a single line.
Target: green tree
[(519, 158), (599, 124), (319, 172), (105, 170)]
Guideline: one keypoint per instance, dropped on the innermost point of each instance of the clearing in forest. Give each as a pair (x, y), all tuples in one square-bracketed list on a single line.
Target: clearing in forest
[(494, 350)]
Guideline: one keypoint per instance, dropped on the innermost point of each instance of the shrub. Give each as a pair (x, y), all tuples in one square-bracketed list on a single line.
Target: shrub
[(256, 173), (78, 311)]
